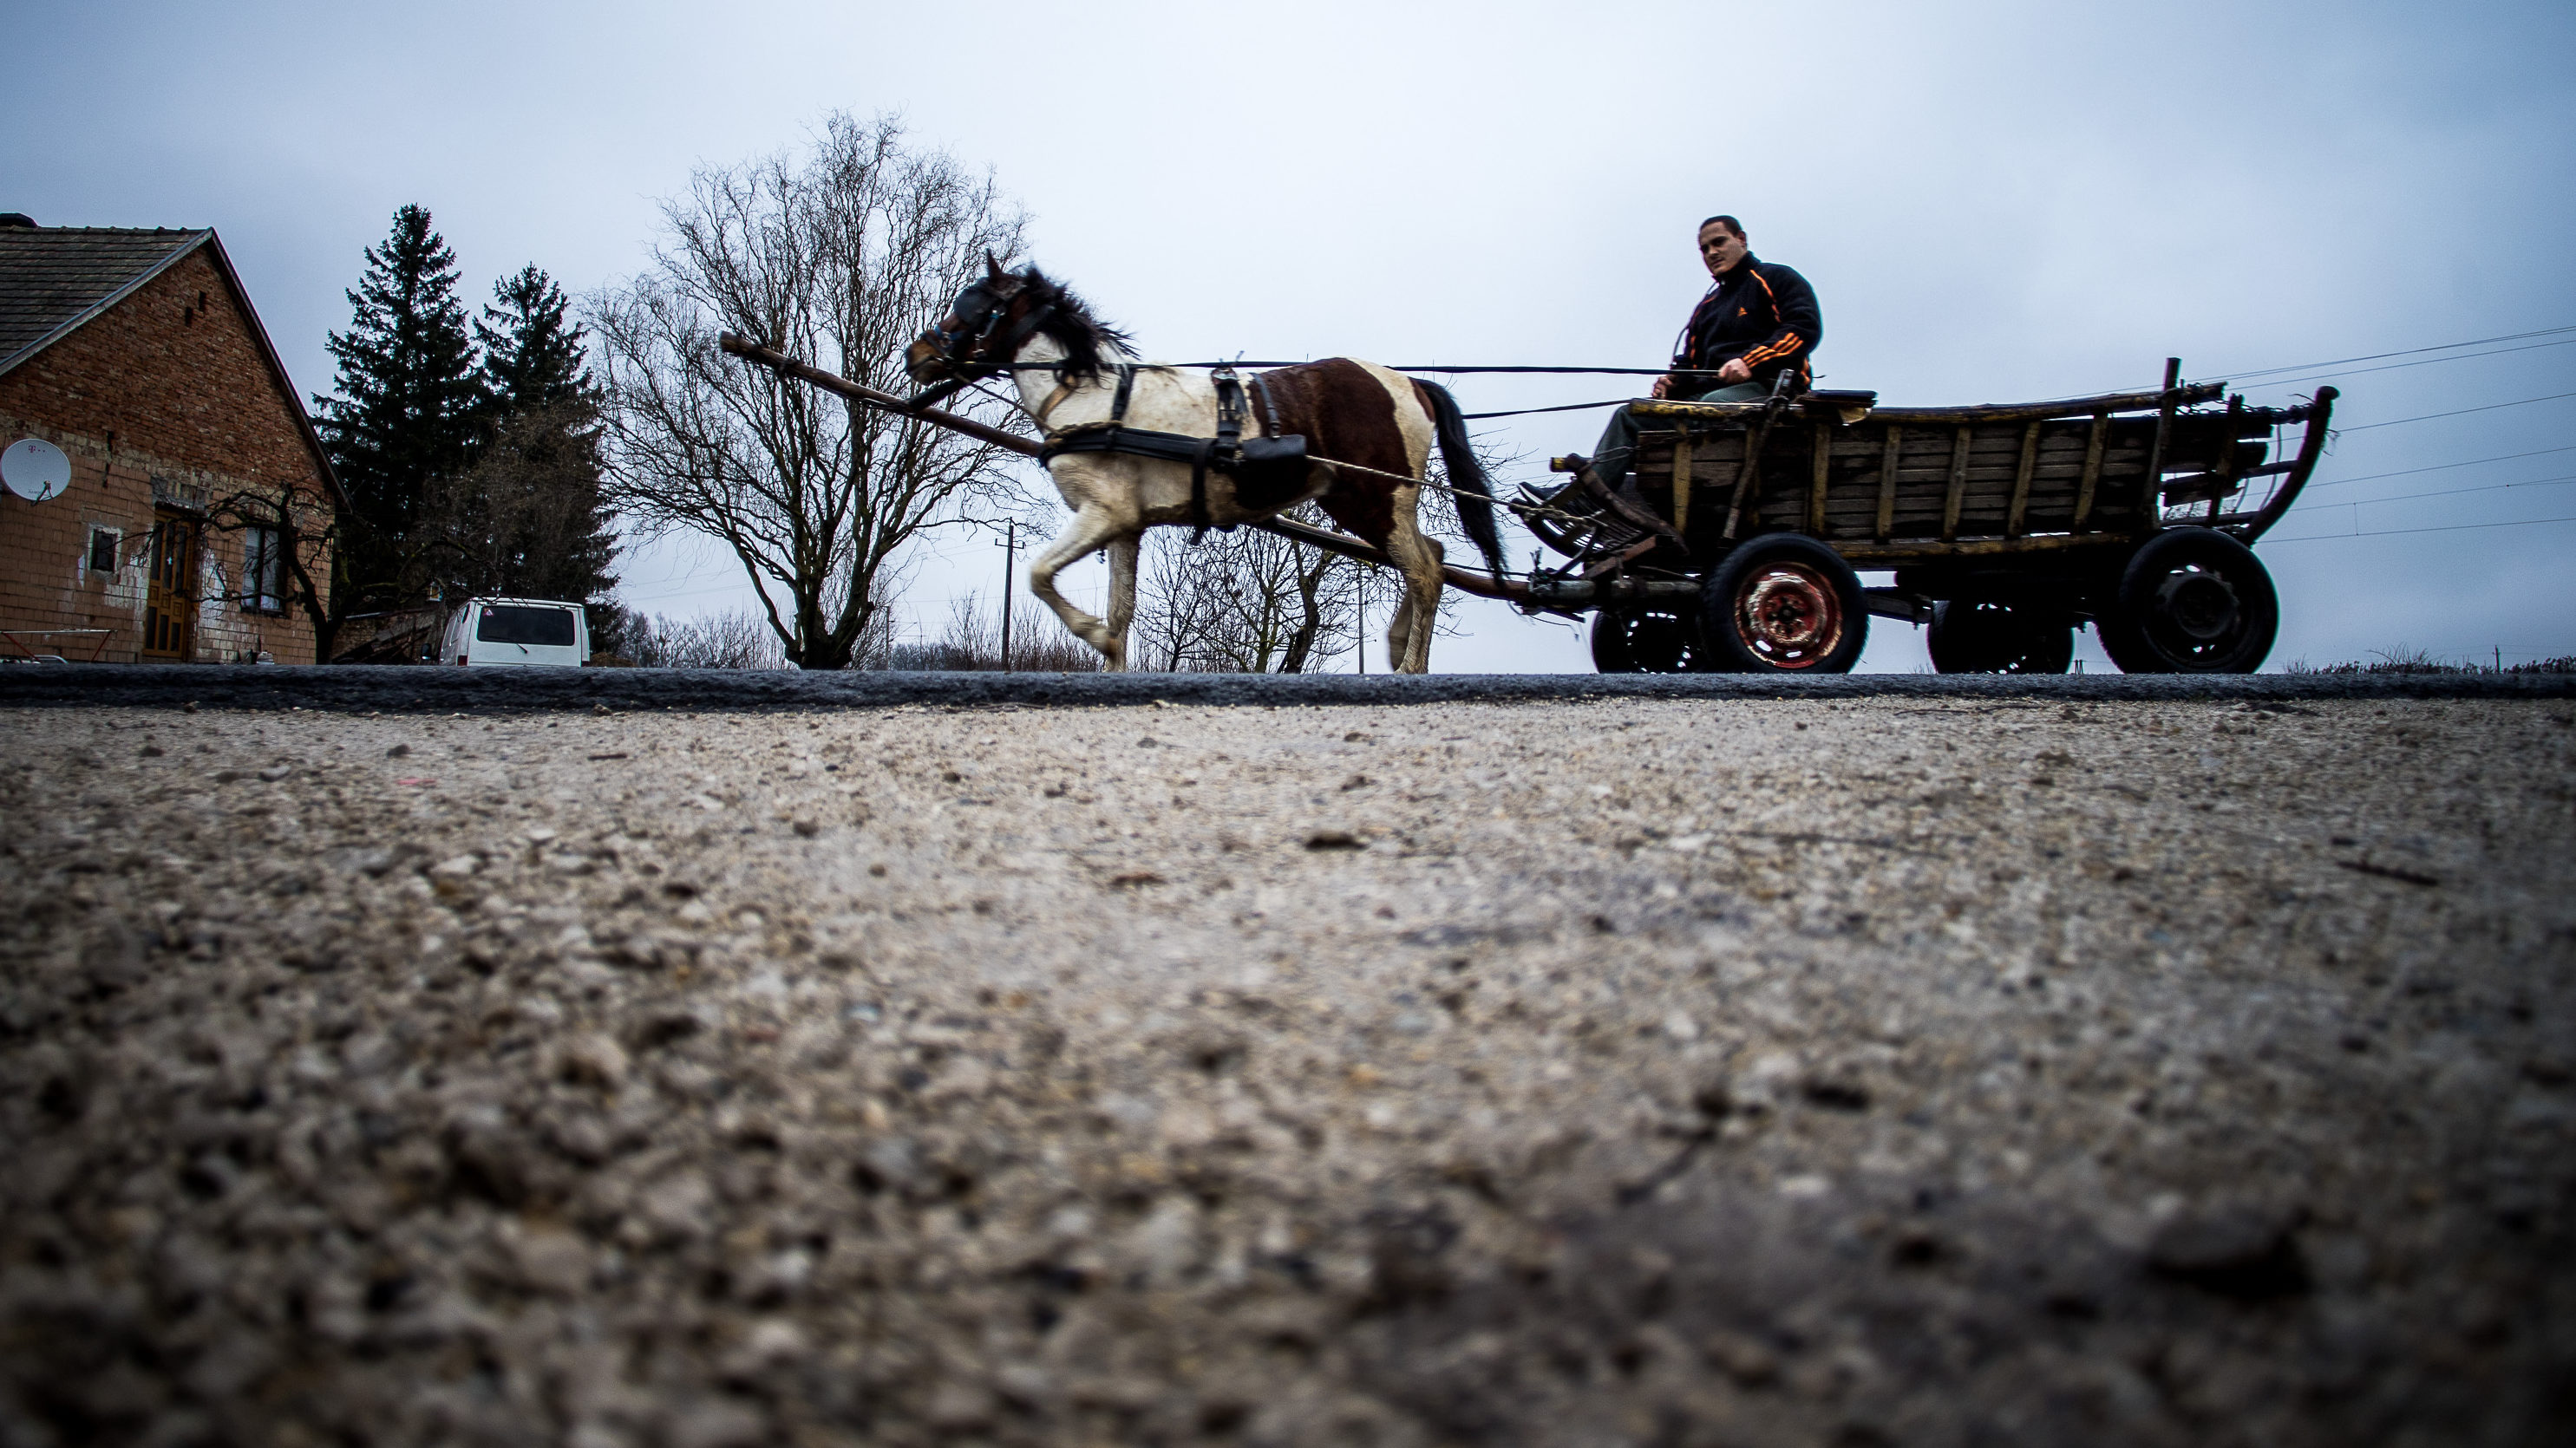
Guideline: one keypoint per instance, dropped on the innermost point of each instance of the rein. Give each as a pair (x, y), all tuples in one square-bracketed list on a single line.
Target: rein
[(1391, 367)]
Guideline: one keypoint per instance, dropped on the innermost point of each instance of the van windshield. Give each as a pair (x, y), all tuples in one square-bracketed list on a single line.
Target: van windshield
[(537, 627)]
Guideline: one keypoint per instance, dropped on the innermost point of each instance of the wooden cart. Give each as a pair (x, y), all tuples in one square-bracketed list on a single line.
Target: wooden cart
[(1735, 543)]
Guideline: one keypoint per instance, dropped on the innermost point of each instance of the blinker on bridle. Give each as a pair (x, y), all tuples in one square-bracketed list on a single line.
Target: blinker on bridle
[(972, 362)]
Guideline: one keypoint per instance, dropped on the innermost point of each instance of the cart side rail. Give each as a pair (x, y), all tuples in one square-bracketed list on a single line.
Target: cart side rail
[(1896, 484), (2250, 525), (2196, 392)]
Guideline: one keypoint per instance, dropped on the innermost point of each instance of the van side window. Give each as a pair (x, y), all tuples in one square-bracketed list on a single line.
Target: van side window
[(535, 627)]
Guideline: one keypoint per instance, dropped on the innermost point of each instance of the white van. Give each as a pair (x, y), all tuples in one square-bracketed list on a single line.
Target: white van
[(516, 631)]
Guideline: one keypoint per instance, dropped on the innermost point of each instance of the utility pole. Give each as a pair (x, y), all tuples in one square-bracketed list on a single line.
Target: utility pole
[(1359, 621), (1010, 546)]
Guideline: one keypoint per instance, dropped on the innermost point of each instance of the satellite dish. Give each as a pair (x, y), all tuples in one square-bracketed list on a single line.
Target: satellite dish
[(35, 469)]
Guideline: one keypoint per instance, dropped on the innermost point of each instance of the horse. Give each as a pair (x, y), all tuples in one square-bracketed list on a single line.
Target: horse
[(1368, 434)]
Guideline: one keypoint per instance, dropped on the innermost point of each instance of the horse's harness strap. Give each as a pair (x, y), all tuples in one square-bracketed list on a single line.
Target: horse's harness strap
[(1226, 452), (1228, 442), (1126, 389), (1269, 407)]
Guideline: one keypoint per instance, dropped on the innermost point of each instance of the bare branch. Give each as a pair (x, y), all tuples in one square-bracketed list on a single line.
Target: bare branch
[(842, 256)]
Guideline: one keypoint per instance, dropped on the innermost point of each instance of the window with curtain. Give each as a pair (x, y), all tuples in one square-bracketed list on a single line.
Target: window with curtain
[(263, 569)]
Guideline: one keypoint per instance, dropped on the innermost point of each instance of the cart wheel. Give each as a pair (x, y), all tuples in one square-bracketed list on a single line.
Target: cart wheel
[(1999, 638), (1783, 603), (1644, 641), (2192, 601)]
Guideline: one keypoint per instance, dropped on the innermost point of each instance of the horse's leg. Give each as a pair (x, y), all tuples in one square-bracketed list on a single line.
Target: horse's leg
[(1408, 634), (1399, 632), (1122, 596), (1092, 527)]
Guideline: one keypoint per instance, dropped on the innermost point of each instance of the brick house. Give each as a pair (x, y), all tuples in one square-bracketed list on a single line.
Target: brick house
[(194, 468)]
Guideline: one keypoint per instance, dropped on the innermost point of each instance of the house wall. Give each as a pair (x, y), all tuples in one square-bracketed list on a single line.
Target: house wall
[(165, 397)]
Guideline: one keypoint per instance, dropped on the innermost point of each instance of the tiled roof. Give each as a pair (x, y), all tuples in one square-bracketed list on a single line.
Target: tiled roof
[(54, 278)]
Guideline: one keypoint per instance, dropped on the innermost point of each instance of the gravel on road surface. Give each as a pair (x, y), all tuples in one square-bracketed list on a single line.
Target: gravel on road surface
[(392, 689), (1912, 1069)]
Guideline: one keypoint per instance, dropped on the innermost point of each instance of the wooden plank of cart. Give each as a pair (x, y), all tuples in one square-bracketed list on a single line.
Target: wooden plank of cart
[(1735, 542)]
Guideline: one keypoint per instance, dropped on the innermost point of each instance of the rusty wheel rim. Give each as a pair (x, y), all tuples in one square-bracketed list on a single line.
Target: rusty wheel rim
[(1789, 615)]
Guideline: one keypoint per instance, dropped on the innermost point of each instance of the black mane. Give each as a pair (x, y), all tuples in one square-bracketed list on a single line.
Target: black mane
[(1091, 346)]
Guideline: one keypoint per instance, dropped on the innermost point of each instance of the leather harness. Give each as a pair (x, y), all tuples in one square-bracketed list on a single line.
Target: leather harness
[(1262, 463), (1270, 459)]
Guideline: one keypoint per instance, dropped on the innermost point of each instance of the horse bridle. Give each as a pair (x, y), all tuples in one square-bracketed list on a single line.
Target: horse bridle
[(967, 350)]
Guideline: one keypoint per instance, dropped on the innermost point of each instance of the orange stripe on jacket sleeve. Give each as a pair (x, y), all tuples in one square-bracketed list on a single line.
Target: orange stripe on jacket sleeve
[(1789, 342)]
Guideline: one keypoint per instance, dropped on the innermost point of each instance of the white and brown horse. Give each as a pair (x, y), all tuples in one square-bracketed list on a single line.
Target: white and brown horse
[(1065, 363)]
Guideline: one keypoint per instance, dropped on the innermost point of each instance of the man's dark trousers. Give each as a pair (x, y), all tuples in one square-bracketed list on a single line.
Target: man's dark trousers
[(1618, 443)]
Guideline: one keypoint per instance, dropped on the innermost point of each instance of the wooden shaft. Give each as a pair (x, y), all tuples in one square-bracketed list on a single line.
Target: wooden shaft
[(1465, 580), (786, 366), (2021, 480)]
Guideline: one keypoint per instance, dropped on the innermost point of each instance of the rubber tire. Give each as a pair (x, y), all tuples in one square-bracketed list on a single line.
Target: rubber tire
[(2150, 627), (1629, 641), (1723, 644), (1999, 638)]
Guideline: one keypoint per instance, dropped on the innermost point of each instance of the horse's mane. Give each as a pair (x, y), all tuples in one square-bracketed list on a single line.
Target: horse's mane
[(1091, 346)]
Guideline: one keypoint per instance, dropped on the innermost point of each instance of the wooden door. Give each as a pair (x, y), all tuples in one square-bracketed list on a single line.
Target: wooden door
[(170, 608)]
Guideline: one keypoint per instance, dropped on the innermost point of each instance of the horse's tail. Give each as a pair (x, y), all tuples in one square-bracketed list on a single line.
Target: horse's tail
[(1468, 485)]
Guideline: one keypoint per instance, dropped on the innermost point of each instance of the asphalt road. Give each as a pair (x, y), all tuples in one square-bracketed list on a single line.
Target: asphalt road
[(439, 690), (405, 1057)]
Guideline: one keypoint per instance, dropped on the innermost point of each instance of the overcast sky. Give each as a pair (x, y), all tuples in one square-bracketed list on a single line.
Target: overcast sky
[(1996, 202)]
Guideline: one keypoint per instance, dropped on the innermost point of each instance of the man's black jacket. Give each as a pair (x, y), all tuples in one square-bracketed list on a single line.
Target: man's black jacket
[(1759, 311)]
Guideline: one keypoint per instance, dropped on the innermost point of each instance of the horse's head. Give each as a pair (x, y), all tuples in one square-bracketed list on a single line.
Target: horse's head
[(982, 330), (994, 317)]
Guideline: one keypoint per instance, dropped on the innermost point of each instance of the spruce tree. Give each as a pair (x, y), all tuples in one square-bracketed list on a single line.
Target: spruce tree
[(532, 357), (409, 404), (532, 521)]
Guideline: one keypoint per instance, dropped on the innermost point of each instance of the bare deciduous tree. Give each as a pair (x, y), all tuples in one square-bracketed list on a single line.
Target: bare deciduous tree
[(842, 258), (290, 554), (738, 640), (974, 641), (1245, 602), (1253, 602)]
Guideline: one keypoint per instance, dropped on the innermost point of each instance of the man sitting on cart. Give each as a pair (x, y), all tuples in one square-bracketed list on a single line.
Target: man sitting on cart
[(1758, 320)]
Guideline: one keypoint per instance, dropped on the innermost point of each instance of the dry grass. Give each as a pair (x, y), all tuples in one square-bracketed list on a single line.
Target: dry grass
[(2403, 660)]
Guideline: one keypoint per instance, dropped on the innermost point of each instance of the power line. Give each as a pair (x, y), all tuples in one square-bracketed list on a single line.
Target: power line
[(2421, 362), (2461, 412), (2447, 528), (2438, 467), (2454, 492), (2408, 352)]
